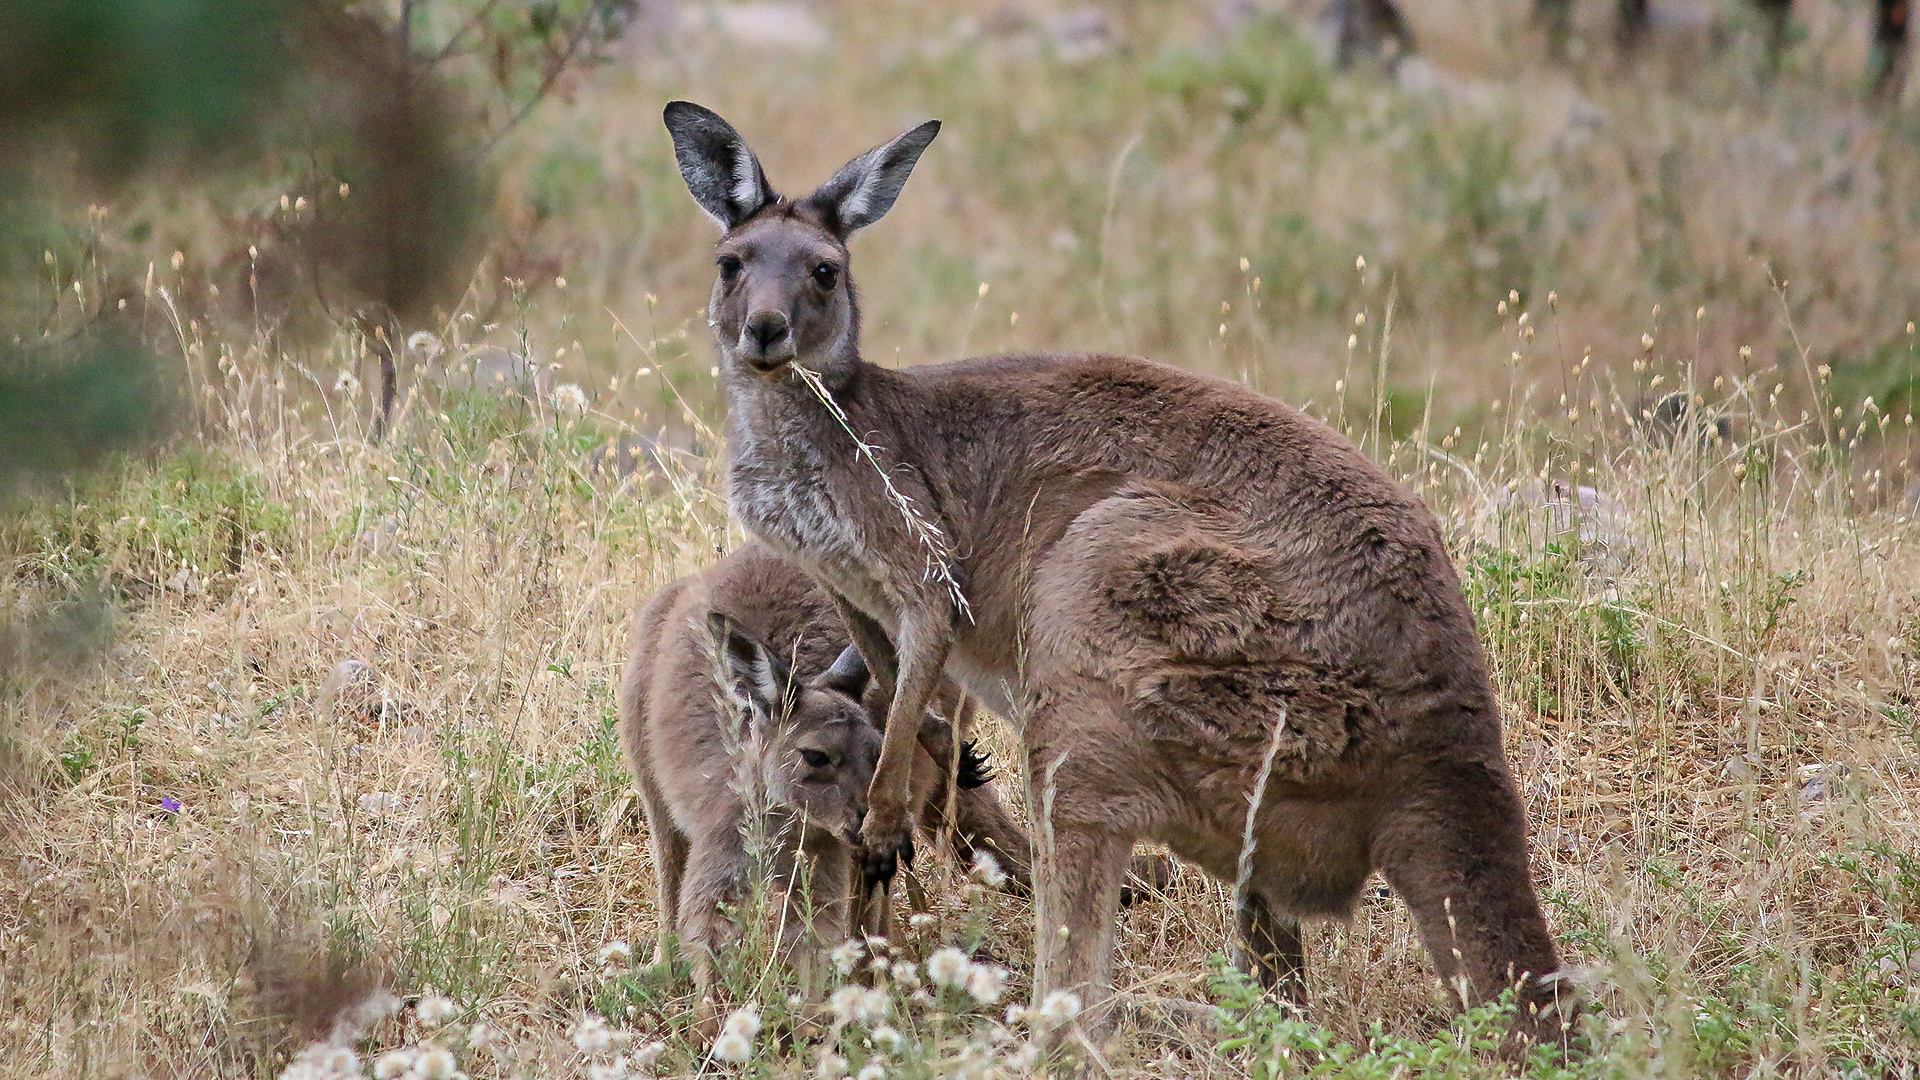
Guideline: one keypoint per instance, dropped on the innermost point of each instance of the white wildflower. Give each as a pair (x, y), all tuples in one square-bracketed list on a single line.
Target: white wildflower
[(435, 1010), (569, 400), (479, 1035), (732, 1046), (393, 1064), (846, 956), (1023, 1060), (1018, 1014), (322, 1061), (907, 975), (976, 1062), (843, 1002), (1060, 1007), (873, 1071), (645, 1056), (920, 920), (986, 870), (831, 1067), (592, 1036), (611, 1070), (887, 1039), (744, 1022), (351, 1024), (615, 954), (434, 1063), (949, 967), (986, 983), (424, 342)]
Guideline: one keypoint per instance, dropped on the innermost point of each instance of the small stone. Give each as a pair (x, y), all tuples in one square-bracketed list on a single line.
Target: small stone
[(351, 691), (1821, 782)]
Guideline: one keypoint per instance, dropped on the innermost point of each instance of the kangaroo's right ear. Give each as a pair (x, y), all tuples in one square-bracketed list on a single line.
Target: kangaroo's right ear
[(849, 673), (724, 176), (753, 672), (865, 188)]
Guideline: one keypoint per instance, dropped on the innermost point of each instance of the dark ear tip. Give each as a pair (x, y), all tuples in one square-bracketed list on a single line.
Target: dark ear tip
[(719, 625), (680, 112)]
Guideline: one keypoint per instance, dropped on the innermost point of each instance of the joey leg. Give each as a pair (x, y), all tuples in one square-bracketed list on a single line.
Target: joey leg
[(1270, 950), (715, 876), (668, 848)]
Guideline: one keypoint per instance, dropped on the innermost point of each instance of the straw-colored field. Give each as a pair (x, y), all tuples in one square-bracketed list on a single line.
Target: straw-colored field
[(1709, 680)]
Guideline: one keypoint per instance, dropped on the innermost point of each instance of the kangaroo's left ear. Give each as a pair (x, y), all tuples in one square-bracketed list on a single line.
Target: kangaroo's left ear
[(754, 674), (865, 188)]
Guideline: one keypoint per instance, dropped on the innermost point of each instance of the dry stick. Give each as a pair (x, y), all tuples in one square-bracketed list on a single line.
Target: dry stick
[(1044, 852), (939, 551), (1244, 872), (1106, 227)]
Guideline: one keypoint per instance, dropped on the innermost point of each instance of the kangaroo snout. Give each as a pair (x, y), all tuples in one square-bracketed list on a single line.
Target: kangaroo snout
[(766, 341)]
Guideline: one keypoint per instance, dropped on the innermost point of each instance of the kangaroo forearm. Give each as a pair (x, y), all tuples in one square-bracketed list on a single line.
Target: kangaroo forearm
[(923, 662)]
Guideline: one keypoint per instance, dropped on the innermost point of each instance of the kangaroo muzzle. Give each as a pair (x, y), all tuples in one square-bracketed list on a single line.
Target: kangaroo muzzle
[(766, 341)]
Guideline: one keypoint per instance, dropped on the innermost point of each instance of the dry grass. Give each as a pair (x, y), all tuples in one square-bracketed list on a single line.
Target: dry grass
[(1745, 615)]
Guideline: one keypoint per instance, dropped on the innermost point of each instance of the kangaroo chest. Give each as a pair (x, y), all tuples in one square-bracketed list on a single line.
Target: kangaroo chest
[(781, 486)]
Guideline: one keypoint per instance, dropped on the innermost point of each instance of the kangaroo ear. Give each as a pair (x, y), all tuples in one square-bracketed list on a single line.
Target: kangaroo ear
[(753, 672), (724, 176), (848, 674), (864, 189)]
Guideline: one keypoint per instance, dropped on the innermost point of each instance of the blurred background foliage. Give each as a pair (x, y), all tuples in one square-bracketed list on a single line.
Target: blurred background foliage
[(343, 148)]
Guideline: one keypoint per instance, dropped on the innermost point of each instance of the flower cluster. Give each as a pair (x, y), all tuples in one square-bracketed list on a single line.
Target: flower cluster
[(596, 1040), (950, 968), (735, 1043)]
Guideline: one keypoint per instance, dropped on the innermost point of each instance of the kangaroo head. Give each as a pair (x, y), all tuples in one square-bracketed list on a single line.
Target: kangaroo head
[(814, 745), (784, 293)]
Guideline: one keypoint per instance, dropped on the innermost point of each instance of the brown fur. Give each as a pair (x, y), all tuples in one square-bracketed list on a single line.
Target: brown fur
[(1159, 569), (688, 754)]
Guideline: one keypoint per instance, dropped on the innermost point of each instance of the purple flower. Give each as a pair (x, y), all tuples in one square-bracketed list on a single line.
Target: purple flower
[(170, 804)]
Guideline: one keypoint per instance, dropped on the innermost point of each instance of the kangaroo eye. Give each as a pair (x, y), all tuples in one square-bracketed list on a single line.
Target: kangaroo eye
[(826, 275), (815, 759), (729, 267)]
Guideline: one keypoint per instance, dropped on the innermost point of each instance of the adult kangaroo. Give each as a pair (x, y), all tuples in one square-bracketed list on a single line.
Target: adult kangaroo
[(1186, 593)]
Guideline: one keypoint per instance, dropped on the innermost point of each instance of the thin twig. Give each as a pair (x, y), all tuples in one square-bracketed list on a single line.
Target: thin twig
[(939, 549)]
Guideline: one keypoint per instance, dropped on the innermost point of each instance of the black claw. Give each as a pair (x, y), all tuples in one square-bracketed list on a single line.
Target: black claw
[(906, 850), (975, 769), (878, 869)]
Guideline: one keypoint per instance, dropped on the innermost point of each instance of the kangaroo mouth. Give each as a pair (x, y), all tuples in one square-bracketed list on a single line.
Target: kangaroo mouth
[(769, 363), (765, 358)]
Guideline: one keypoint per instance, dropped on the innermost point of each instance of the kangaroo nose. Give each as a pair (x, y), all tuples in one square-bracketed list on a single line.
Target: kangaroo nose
[(768, 328)]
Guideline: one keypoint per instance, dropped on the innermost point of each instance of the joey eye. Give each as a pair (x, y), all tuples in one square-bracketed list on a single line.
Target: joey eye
[(815, 759), (729, 267), (826, 275)]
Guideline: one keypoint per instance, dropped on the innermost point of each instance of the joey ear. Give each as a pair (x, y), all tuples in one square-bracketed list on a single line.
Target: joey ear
[(753, 671), (865, 188), (848, 674), (723, 174)]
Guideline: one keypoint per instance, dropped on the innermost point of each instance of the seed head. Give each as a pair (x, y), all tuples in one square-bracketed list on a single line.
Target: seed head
[(948, 967), (732, 1047), (986, 983)]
